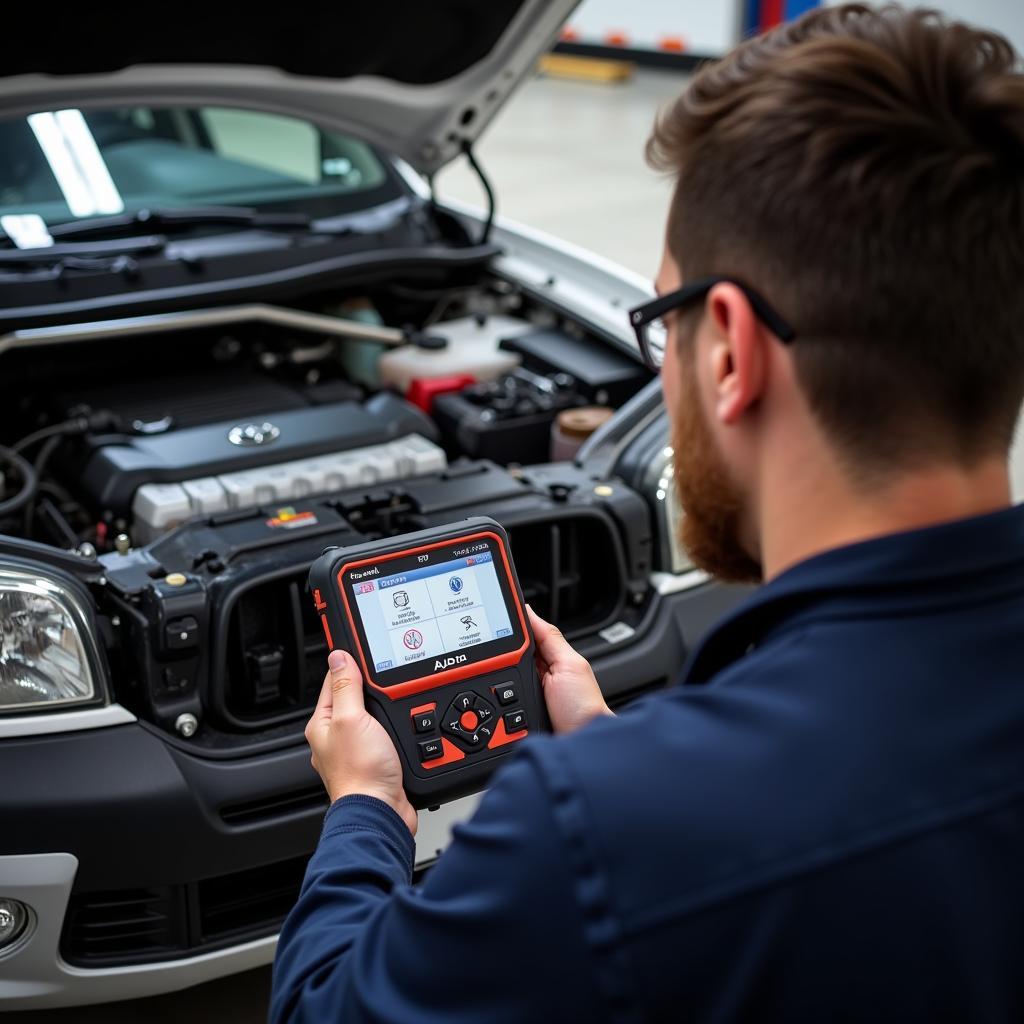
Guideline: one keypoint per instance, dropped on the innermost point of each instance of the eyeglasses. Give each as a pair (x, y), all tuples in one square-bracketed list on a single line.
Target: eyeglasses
[(651, 330)]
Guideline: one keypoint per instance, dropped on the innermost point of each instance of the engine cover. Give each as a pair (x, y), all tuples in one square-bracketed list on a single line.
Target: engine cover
[(116, 466)]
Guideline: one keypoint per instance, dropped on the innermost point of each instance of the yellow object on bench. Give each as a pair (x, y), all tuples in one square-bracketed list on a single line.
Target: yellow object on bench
[(585, 69)]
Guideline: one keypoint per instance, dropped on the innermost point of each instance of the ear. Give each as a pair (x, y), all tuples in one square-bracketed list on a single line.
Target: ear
[(739, 360)]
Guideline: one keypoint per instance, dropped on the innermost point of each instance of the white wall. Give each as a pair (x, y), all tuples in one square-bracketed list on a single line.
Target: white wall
[(708, 27), (1006, 16)]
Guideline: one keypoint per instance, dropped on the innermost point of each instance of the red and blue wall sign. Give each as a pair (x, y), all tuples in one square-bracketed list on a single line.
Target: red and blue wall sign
[(766, 14)]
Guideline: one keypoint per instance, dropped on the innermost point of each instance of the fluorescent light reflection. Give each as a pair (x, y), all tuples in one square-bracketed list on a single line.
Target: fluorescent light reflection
[(76, 162)]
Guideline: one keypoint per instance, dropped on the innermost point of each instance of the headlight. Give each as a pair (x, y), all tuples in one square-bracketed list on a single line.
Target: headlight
[(660, 486), (43, 644)]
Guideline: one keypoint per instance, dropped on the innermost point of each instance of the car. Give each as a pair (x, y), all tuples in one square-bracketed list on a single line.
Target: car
[(237, 326)]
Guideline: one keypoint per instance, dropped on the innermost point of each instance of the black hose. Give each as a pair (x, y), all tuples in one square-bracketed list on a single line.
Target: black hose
[(44, 455), (58, 429), (39, 468), (29, 481)]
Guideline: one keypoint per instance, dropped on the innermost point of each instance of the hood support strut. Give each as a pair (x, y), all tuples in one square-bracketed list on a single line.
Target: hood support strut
[(467, 151)]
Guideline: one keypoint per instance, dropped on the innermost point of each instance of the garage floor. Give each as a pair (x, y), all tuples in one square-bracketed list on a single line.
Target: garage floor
[(566, 158)]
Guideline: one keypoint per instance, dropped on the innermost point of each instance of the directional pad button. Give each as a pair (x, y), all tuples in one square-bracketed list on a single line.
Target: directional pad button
[(469, 718), (484, 710), (451, 723)]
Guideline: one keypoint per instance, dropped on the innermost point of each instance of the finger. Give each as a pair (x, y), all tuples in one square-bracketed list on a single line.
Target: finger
[(551, 645), (346, 684), (322, 712), (542, 666), (326, 698), (541, 629), (537, 624)]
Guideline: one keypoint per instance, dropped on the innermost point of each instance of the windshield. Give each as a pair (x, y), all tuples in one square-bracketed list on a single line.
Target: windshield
[(69, 164)]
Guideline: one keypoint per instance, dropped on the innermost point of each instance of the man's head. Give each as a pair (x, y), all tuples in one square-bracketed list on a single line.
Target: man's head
[(863, 170)]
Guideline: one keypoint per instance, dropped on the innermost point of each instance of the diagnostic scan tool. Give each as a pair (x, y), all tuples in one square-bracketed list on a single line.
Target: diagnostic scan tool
[(437, 623)]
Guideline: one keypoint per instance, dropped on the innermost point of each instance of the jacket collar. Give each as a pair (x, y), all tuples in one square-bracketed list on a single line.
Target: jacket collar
[(942, 553)]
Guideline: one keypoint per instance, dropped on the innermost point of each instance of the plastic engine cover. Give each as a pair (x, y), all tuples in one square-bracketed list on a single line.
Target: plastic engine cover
[(115, 467)]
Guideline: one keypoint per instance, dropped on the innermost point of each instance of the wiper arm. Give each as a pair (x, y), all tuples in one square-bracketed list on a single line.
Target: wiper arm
[(169, 218), (80, 250)]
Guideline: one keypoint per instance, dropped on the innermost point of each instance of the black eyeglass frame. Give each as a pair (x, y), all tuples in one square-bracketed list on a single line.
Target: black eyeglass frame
[(640, 317)]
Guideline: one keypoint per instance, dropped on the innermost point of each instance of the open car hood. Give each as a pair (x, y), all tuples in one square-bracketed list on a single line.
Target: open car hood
[(416, 78)]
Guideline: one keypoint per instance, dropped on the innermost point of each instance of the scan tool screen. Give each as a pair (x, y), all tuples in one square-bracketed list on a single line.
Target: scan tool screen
[(432, 610)]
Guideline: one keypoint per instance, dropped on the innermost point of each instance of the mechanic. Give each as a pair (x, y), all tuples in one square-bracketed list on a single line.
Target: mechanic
[(826, 820)]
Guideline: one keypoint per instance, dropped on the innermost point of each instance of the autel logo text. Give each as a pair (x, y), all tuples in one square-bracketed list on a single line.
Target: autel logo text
[(455, 659)]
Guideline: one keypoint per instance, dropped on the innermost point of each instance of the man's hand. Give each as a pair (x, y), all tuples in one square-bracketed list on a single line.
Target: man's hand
[(351, 750), (570, 689)]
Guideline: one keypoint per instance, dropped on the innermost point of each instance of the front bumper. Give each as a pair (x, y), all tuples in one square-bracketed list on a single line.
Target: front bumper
[(33, 974)]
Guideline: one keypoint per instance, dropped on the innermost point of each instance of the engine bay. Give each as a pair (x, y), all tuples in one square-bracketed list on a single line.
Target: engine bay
[(131, 428)]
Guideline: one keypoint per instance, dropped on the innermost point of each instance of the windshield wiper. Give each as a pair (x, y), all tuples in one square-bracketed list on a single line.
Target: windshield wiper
[(83, 250), (171, 218)]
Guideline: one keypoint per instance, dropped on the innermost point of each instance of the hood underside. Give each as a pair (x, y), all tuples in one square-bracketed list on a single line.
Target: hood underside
[(415, 78)]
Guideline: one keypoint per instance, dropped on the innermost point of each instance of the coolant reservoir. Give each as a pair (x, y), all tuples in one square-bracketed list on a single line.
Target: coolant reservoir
[(472, 348), (359, 358)]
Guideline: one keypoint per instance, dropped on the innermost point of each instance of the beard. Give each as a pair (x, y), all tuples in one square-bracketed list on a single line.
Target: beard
[(712, 504)]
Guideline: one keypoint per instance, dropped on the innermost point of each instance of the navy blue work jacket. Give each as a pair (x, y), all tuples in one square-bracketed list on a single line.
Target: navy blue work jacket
[(830, 828)]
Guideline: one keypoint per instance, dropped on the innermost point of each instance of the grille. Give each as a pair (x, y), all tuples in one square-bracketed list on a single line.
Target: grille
[(130, 926), (276, 806), (571, 570), (249, 901), (276, 653), (105, 927)]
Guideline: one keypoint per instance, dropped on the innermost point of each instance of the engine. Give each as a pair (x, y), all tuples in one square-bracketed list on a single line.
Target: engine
[(159, 481)]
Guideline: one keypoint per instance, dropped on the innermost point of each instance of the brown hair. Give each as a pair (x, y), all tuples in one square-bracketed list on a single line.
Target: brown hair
[(863, 168)]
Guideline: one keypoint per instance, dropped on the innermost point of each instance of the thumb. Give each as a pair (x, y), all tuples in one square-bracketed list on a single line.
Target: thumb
[(551, 645), (346, 684)]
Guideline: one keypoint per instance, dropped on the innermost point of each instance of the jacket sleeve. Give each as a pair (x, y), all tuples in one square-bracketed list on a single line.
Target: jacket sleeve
[(494, 933)]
